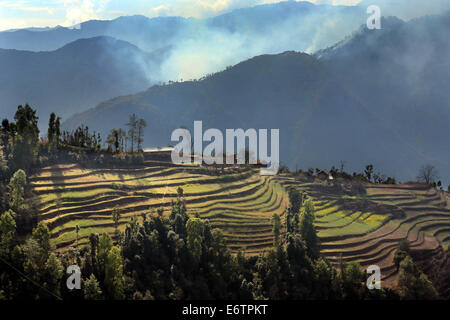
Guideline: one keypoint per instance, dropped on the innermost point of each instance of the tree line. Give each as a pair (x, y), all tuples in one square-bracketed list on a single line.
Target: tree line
[(427, 174), (120, 141)]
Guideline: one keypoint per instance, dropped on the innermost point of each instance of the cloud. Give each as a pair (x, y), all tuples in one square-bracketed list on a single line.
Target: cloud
[(78, 11), (39, 9), (18, 23), (161, 11), (205, 49), (337, 2), (24, 13), (24, 5)]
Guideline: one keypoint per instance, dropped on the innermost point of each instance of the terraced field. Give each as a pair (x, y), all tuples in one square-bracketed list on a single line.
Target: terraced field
[(368, 228), (240, 202)]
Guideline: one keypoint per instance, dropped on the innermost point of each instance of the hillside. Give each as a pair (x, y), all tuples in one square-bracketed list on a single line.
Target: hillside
[(367, 226), (401, 75), (130, 29), (361, 224), (367, 85), (78, 75)]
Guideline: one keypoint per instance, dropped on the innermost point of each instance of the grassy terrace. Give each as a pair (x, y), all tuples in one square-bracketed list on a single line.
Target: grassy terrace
[(363, 228), (239, 203)]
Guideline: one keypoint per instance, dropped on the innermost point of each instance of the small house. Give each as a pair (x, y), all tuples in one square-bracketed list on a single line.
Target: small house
[(323, 175)]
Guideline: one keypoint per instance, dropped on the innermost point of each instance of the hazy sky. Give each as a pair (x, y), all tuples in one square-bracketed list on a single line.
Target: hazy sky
[(43, 13)]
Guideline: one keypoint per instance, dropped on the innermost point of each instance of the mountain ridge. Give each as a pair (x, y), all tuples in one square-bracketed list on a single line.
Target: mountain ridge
[(79, 74), (137, 28)]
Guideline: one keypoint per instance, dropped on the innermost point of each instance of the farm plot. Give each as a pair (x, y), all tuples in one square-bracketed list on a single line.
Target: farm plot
[(367, 228), (240, 203)]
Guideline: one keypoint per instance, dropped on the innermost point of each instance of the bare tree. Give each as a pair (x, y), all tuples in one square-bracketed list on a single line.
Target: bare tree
[(141, 124), (122, 136), (132, 131), (369, 172), (342, 165), (77, 230), (116, 218), (427, 174), (126, 143)]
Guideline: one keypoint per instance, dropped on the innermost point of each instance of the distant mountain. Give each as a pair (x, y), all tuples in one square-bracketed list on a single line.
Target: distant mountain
[(70, 79), (378, 97), (133, 29), (75, 69), (60, 77), (33, 29), (155, 33)]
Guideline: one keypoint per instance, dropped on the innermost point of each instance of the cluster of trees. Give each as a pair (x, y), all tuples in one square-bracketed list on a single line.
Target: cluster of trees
[(118, 139), (413, 283), (19, 139), (21, 147), (15, 201), (377, 177), (54, 132), (367, 176), (82, 138), (428, 174)]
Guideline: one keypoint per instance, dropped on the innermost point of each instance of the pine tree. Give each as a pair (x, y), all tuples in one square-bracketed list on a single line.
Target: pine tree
[(91, 289), (132, 130), (114, 278), (307, 229)]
